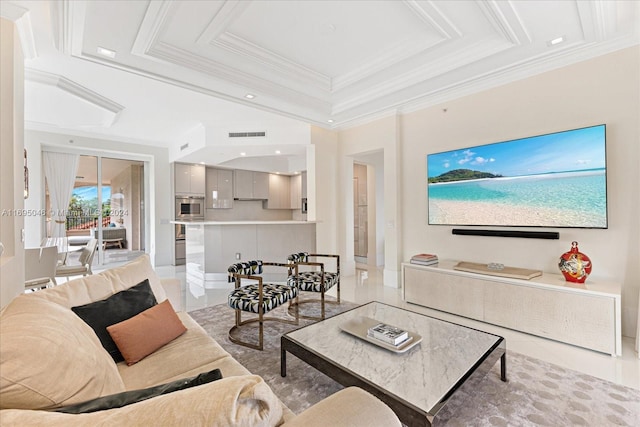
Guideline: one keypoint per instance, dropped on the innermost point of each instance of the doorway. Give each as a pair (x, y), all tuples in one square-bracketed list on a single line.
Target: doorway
[(360, 214), (107, 203), (368, 209)]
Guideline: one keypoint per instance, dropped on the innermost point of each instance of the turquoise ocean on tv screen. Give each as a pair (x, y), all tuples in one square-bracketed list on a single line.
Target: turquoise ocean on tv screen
[(583, 191)]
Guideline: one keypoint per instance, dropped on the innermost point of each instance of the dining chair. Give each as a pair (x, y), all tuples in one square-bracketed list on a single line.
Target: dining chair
[(85, 262), (40, 267), (61, 243), (312, 276), (257, 297)]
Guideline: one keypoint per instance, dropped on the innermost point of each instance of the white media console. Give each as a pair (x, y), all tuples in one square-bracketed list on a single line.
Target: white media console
[(586, 315)]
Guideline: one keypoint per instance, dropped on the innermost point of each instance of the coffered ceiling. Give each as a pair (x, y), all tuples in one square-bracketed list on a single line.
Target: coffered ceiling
[(152, 71)]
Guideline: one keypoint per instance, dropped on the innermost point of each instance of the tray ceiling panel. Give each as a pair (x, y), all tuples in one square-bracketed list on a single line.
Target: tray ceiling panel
[(338, 60), (172, 65)]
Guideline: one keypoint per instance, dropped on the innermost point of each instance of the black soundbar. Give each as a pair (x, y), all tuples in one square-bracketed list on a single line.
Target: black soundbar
[(508, 233)]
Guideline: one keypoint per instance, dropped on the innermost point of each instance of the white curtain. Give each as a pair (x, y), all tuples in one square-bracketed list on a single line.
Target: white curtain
[(60, 169)]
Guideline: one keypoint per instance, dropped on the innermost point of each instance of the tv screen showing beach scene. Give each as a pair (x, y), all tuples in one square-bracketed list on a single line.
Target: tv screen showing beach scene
[(554, 180)]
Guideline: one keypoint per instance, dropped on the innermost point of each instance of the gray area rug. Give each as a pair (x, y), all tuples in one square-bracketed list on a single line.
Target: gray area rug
[(537, 393)]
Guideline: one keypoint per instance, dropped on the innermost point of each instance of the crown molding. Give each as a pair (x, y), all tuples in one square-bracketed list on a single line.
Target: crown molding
[(258, 54), (525, 69), (76, 90), (506, 22), (534, 66), (429, 13), (190, 60), (148, 44), (230, 11), (67, 25), (32, 126), (469, 54), (597, 19), (363, 119), (431, 17), (216, 35), (152, 24), (212, 92), (381, 62), (21, 17)]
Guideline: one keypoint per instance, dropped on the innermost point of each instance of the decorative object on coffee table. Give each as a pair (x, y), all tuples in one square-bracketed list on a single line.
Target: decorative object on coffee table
[(359, 326), (574, 265)]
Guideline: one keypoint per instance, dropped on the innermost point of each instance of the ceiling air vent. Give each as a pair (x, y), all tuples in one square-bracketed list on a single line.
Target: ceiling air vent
[(246, 134)]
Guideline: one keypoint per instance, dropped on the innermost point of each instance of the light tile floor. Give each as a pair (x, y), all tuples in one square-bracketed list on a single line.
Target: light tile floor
[(367, 285)]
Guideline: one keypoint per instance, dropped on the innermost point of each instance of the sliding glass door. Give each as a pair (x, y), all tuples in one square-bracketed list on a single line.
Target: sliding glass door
[(107, 203)]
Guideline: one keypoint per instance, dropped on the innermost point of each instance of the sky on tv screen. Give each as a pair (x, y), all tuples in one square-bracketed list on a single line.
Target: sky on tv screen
[(574, 150)]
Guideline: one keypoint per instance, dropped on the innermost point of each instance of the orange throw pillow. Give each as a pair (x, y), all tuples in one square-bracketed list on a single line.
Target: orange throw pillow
[(141, 335)]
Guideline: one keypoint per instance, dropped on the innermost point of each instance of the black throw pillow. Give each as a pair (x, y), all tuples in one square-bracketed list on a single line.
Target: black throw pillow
[(125, 398), (118, 307)]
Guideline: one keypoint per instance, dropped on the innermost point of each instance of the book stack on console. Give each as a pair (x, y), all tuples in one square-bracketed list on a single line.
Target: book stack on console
[(389, 334), (424, 259)]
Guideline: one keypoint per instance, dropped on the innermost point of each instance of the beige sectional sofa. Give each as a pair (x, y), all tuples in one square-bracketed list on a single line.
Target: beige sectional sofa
[(50, 358)]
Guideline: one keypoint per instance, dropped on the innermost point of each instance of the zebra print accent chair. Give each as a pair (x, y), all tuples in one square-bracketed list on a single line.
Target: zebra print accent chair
[(313, 279), (257, 297)]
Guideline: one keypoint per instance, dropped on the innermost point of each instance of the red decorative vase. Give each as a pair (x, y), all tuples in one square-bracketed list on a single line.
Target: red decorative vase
[(574, 265)]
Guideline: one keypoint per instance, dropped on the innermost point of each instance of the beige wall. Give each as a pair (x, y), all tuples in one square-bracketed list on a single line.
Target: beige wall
[(11, 162), (322, 190), (602, 90)]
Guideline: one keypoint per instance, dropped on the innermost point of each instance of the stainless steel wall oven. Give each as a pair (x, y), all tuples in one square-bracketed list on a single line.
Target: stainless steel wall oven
[(189, 208)]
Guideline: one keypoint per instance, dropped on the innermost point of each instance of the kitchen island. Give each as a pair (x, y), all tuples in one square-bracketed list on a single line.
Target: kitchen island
[(212, 246)]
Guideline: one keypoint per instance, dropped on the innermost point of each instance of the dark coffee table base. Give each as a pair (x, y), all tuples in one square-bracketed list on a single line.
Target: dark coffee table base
[(408, 413)]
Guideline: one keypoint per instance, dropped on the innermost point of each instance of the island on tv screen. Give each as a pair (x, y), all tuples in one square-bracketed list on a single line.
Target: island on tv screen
[(554, 180)]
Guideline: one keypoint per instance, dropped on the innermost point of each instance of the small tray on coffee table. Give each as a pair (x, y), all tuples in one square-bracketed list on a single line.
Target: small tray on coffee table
[(359, 326)]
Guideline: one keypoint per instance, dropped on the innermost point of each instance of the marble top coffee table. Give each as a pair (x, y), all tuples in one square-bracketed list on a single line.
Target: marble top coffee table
[(415, 384)]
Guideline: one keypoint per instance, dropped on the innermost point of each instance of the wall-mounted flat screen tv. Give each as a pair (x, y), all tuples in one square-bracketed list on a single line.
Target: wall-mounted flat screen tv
[(554, 180)]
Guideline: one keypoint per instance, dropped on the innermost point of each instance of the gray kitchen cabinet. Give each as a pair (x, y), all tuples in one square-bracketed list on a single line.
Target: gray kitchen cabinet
[(219, 188), (242, 184), (279, 192), (304, 185), (189, 179), (296, 191), (250, 185), (261, 185)]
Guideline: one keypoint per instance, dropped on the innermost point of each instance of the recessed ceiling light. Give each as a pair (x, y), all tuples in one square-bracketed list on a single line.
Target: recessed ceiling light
[(249, 96), (106, 52), (330, 121), (243, 154), (556, 41), (277, 151), (202, 163)]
